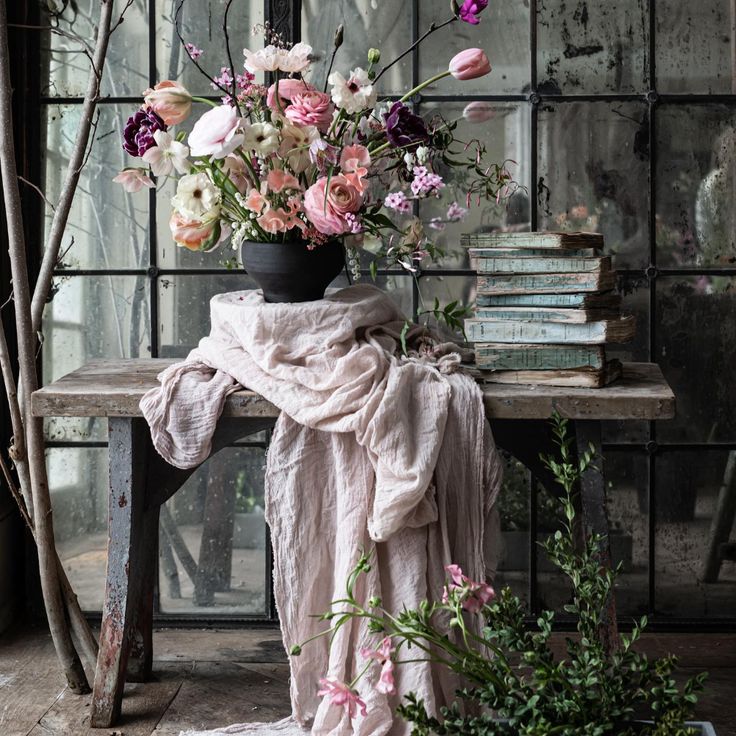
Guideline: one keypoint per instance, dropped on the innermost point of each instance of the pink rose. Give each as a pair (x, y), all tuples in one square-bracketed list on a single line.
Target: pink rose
[(170, 101), (311, 108), (287, 89), (469, 64), (327, 203), (194, 234), (215, 133)]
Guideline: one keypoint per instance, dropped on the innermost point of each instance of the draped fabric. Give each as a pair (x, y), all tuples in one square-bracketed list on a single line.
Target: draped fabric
[(374, 452)]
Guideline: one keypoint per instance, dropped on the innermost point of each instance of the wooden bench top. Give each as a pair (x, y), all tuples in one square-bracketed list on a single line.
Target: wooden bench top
[(105, 388)]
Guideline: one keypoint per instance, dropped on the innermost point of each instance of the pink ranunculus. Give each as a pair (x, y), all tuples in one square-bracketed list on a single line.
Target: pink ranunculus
[(341, 694), (216, 133), (327, 202), (194, 234), (479, 112), (278, 180), (469, 64), (287, 89), (170, 101), (311, 108)]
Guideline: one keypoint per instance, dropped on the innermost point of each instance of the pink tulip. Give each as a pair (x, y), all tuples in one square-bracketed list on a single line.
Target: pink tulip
[(341, 694), (170, 101), (311, 108), (327, 202), (479, 112), (469, 64)]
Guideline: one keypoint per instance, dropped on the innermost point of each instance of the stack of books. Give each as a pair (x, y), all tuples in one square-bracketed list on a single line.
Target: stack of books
[(545, 309)]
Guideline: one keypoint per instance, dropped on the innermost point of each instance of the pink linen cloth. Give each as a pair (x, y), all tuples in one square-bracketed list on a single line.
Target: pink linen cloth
[(373, 452)]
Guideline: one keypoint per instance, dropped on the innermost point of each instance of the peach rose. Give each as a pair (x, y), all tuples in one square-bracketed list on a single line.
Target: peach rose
[(327, 213), (194, 234), (170, 101)]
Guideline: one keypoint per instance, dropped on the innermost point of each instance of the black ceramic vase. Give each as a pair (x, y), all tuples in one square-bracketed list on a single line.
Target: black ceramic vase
[(290, 272)]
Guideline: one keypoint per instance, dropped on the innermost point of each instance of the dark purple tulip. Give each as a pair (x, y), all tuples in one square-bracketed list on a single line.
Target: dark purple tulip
[(470, 10), (403, 127), (139, 130)]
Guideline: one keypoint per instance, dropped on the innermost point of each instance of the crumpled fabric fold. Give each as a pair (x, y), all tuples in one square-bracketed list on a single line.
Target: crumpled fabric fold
[(374, 452)]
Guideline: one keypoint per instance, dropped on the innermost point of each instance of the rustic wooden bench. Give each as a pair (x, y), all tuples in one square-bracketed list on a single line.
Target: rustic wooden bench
[(140, 480)]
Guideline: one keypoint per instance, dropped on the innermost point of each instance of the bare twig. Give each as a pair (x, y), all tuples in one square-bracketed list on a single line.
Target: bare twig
[(47, 558), (177, 16), (38, 191), (76, 160), (230, 56)]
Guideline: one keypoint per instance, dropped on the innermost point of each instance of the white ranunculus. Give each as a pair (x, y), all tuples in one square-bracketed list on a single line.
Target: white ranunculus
[(168, 154), (197, 198), (263, 138), (354, 94)]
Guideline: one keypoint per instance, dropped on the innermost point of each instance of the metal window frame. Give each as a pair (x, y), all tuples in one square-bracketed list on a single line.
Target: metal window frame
[(285, 17)]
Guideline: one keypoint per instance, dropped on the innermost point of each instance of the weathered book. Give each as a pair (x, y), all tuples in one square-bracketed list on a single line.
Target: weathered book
[(589, 300), (587, 333), (507, 356), (536, 240), (537, 283), (538, 264), (531, 252), (575, 378), (546, 314)]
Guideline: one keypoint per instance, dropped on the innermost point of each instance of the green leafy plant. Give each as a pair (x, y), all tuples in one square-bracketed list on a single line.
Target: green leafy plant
[(524, 687)]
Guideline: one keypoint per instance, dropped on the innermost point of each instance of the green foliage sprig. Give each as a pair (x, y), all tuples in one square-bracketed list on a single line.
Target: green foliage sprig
[(522, 687)]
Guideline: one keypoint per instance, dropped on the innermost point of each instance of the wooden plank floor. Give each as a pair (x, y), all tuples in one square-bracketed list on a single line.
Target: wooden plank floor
[(212, 678)]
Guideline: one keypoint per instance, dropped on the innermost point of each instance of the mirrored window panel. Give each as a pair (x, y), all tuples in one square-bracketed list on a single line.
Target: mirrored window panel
[(367, 24), (592, 47), (593, 174), (212, 538), (201, 24), (78, 485), (696, 185), (66, 70), (503, 33), (696, 350), (688, 484), (695, 46), (108, 228), (502, 132)]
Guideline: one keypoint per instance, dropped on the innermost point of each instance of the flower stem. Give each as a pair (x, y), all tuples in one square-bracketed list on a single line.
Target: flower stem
[(424, 84), (211, 103), (432, 28)]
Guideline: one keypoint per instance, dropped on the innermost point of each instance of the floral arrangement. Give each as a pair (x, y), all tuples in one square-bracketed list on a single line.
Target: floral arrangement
[(298, 162), (513, 679)]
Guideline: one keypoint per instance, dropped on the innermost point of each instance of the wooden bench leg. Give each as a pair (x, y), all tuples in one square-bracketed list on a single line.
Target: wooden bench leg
[(595, 515), (126, 552), (140, 661)]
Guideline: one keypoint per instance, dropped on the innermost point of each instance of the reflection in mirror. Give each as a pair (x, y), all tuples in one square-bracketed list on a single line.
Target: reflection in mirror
[(367, 24)]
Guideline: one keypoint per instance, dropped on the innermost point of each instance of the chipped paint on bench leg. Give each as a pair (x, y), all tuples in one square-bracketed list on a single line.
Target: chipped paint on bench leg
[(125, 564)]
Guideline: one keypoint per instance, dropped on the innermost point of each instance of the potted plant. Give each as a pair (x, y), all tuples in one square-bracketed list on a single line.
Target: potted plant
[(513, 681), (294, 173)]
